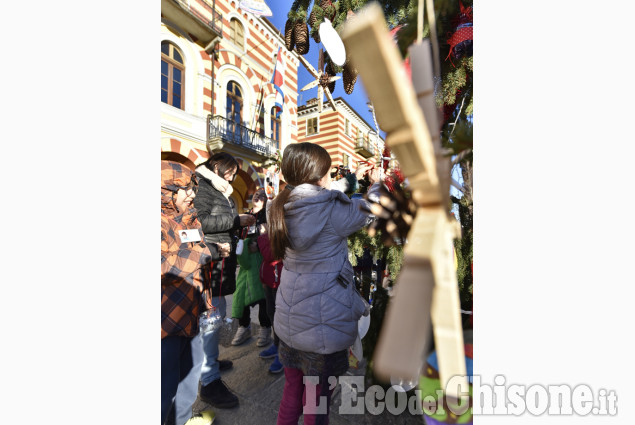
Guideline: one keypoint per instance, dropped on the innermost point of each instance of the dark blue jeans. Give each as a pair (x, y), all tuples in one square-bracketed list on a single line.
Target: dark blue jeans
[(270, 297), (181, 360)]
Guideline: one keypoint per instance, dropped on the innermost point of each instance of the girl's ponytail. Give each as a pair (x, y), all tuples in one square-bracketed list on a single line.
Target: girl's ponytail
[(278, 234)]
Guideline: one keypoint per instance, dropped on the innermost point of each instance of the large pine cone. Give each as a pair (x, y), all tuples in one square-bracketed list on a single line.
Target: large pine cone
[(289, 35), (329, 71), (394, 214), (349, 76), (312, 19), (301, 34)]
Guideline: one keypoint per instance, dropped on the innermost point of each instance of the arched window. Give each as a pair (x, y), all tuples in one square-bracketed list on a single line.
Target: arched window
[(275, 127), (234, 102), (237, 33), (172, 72)]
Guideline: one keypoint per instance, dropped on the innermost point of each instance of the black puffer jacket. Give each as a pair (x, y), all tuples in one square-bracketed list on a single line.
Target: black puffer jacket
[(220, 223)]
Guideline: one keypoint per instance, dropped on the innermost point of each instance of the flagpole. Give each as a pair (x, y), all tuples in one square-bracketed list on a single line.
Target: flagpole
[(262, 93)]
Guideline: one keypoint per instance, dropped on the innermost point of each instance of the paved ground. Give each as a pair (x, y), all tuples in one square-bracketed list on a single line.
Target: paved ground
[(260, 392)]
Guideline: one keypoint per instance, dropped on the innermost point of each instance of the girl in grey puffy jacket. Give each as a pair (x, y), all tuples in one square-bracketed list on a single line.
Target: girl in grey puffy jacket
[(317, 306)]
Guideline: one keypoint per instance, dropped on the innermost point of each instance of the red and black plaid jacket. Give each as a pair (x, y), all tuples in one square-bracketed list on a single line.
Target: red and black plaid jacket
[(182, 264)]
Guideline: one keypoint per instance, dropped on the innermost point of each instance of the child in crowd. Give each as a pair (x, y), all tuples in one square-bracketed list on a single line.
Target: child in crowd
[(270, 271), (249, 292), (317, 305), (248, 274)]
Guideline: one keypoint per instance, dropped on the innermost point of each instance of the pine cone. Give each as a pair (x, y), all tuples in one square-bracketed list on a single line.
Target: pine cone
[(301, 35), (329, 71), (349, 76), (289, 35), (312, 19), (324, 78), (394, 214)]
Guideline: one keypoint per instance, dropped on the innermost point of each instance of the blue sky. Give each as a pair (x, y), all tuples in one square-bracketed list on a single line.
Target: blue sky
[(357, 99)]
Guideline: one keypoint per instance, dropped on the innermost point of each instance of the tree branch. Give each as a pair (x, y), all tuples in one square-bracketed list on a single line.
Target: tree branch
[(457, 185), (457, 117), (460, 156)]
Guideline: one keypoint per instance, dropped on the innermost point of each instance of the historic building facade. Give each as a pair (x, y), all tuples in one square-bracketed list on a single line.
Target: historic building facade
[(217, 63), (346, 136)]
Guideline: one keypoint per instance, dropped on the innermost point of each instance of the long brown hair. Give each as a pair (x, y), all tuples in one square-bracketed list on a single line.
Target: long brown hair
[(301, 163)]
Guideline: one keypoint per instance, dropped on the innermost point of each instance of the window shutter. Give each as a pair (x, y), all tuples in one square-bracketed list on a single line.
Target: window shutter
[(240, 35)]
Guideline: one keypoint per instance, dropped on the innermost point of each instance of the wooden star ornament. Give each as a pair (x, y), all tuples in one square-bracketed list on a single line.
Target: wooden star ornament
[(426, 291), (322, 80)]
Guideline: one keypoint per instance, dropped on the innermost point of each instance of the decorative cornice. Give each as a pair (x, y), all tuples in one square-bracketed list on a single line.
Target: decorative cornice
[(172, 131)]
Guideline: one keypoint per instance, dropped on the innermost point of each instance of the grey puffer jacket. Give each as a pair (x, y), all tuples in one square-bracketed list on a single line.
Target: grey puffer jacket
[(314, 311)]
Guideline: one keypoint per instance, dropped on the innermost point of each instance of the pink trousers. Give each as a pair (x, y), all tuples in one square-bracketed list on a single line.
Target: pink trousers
[(294, 400)]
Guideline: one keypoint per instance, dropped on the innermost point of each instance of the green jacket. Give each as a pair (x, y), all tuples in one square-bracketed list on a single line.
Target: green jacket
[(248, 286)]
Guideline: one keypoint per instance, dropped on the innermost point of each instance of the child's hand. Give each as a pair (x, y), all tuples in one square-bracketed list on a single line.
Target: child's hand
[(362, 169), (247, 219), (224, 249), (376, 175)]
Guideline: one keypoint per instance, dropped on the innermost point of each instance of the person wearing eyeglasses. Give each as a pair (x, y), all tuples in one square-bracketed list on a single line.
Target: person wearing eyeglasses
[(183, 265), (220, 223)]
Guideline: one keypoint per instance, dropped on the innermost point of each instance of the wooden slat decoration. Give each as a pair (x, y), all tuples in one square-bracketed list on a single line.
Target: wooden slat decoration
[(426, 290)]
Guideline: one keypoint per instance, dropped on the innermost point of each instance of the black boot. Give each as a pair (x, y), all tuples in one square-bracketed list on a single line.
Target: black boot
[(225, 365), (216, 394)]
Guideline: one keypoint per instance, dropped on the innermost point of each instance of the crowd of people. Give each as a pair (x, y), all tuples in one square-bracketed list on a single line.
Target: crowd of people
[(294, 266)]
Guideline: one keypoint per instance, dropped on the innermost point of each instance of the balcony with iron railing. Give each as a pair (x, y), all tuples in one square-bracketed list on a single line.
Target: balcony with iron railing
[(364, 147), (199, 18), (220, 130)]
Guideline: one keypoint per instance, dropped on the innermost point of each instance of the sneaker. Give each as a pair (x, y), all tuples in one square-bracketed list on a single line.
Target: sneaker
[(216, 394), (276, 366), (269, 353), (225, 365), (264, 337), (242, 335)]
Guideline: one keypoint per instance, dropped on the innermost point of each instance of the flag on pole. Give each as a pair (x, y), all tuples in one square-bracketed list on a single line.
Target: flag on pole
[(278, 80), (256, 7)]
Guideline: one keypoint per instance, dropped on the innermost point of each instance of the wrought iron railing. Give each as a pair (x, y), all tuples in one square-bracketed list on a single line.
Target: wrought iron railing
[(365, 144), (216, 24), (237, 134)]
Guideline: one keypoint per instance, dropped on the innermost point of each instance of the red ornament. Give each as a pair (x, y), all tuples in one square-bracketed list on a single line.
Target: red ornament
[(395, 178), (406, 61), (461, 40)]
